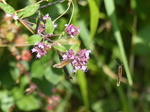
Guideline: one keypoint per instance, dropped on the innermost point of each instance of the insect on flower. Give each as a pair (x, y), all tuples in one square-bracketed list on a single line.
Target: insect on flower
[(62, 63), (119, 73)]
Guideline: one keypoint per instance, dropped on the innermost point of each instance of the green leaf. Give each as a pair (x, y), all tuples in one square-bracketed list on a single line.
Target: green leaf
[(84, 34), (94, 16), (43, 84), (49, 26), (53, 75), (75, 47), (34, 39), (60, 48), (142, 41), (28, 11), (28, 103), (37, 69), (7, 8), (6, 100)]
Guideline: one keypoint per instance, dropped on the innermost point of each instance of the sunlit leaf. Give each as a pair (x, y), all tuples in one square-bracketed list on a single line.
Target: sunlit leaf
[(28, 103), (34, 39), (7, 8), (60, 48), (49, 26), (28, 11), (6, 100)]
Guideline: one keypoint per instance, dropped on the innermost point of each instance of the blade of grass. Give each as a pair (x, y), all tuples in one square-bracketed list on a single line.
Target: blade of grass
[(83, 87), (123, 99), (94, 16), (110, 9)]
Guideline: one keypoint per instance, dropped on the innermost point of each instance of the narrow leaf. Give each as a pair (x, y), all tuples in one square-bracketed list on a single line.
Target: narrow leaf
[(49, 26), (83, 87), (84, 34), (28, 11), (34, 39), (94, 16), (7, 8)]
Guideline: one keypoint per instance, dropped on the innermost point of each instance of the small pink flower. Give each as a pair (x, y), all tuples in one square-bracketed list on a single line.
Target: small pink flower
[(46, 17), (15, 17), (48, 108), (54, 90), (80, 59), (40, 49), (41, 28), (72, 30), (55, 98)]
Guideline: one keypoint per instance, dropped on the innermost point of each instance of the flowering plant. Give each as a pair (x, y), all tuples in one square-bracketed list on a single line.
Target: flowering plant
[(45, 39)]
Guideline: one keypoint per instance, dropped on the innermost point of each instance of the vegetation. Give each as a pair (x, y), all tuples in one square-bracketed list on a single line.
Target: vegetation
[(115, 33)]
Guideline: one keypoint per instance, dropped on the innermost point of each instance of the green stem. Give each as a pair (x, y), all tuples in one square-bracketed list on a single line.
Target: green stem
[(71, 13), (122, 99), (130, 99), (64, 12)]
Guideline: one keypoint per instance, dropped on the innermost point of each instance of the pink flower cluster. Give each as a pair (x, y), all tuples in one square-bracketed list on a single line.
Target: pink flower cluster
[(46, 17), (79, 60), (40, 49), (72, 30), (41, 27)]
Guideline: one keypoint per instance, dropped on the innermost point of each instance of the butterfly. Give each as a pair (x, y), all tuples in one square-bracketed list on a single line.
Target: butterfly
[(119, 73), (62, 63)]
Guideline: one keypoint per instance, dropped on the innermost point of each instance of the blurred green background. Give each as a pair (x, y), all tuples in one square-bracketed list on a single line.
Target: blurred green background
[(112, 29)]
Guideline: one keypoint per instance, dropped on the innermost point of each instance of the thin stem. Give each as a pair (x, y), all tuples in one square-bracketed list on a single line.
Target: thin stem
[(64, 12), (16, 45), (38, 22), (26, 23), (26, 26), (35, 3), (44, 6), (71, 13), (40, 1), (69, 4)]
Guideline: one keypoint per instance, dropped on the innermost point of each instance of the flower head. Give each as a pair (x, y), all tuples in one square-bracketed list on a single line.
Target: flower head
[(15, 17), (69, 55), (80, 59), (72, 30), (46, 17), (41, 29), (40, 49)]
